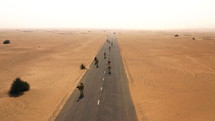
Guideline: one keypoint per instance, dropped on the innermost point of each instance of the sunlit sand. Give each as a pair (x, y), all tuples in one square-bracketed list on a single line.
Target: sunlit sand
[(49, 60), (170, 78)]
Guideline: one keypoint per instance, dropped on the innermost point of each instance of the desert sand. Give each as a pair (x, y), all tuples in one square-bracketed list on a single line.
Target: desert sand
[(49, 60), (170, 78)]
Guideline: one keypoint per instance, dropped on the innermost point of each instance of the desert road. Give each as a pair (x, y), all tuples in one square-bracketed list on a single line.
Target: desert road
[(106, 96)]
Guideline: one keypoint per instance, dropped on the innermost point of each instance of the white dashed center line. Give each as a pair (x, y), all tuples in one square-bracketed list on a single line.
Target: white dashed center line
[(98, 102), (103, 79), (101, 88), (104, 71)]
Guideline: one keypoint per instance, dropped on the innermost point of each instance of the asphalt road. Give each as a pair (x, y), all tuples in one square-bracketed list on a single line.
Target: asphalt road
[(106, 96)]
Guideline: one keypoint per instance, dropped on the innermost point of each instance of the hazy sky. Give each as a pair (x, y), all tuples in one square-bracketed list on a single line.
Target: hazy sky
[(143, 14)]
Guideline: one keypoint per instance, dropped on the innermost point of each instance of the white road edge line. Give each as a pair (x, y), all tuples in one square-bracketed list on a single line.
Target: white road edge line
[(98, 102), (101, 88)]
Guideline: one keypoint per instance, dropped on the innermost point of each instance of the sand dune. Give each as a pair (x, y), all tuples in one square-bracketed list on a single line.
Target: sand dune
[(171, 79), (49, 61)]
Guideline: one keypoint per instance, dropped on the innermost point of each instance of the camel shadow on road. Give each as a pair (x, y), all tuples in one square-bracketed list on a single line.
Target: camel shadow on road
[(80, 97)]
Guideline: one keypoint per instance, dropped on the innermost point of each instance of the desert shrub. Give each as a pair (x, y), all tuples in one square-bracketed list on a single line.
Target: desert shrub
[(6, 42), (82, 67), (19, 86), (176, 35)]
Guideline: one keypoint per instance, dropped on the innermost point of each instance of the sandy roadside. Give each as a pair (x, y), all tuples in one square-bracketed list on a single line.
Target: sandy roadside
[(49, 60), (170, 79)]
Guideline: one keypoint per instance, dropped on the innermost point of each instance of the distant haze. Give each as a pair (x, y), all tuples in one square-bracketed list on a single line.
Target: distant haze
[(140, 14)]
